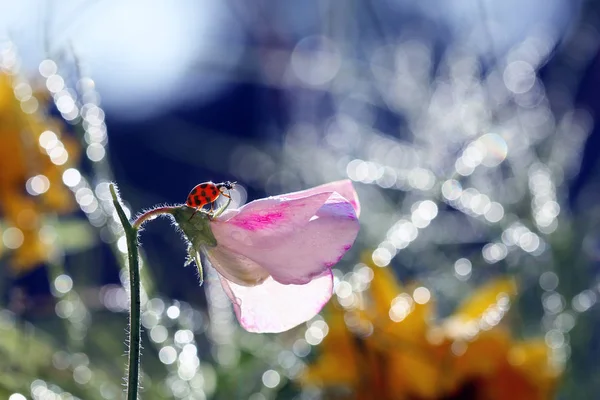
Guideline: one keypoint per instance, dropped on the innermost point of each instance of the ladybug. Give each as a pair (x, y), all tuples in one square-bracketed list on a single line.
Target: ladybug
[(207, 193)]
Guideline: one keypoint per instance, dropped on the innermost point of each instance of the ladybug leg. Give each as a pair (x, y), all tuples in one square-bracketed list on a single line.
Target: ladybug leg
[(222, 209), (194, 213)]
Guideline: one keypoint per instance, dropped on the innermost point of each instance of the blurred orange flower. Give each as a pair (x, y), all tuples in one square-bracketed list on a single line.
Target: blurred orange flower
[(33, 157), (383, 343)]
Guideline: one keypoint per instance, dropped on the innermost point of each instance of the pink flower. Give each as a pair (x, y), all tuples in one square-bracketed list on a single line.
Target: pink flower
[(274, 255)]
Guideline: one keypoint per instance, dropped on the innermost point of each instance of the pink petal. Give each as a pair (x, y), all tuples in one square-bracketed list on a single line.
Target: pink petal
[(265, 214), (236, 267), (274, 307), (294, 240), (344, 188)]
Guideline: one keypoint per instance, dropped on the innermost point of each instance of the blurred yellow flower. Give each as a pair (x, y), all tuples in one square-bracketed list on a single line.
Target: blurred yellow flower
[(383, 343), (33, 157)]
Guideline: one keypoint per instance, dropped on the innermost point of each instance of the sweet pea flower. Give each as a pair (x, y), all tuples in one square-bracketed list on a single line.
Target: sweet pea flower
[(274, 255)]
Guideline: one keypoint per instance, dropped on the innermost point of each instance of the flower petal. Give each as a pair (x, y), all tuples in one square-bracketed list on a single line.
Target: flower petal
[(293, 239), (265, 215), (274, 307), (344, 188), (236, 267)]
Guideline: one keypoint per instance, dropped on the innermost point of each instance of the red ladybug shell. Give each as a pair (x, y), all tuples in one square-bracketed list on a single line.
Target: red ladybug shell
[(203, 194)]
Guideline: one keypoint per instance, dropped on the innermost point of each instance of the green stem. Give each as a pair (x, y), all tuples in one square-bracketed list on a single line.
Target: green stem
[(135, 302), (151, 214), (131, 234)]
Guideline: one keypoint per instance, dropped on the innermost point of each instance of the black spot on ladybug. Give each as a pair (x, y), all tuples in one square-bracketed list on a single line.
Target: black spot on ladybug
[(214, 192), (203, 193), (208, 199), (197, 200), (203, 186)]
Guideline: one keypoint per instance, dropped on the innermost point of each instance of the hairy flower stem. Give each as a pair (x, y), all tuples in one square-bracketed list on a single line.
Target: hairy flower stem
[(151, 214), (135, 303), (131, 234)]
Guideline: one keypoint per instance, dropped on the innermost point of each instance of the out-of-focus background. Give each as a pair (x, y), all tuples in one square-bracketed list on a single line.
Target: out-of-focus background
[(468, 128)]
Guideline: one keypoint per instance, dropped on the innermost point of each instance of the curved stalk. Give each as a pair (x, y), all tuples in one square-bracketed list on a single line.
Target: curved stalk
[(131, 234), (133, 374), (151, 214)]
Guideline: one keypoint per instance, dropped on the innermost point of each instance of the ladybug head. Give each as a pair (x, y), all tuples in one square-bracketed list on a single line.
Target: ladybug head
[(227, 185)]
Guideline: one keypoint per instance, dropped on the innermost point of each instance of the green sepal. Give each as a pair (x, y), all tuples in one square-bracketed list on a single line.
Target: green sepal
[(195, 226), (194, 257)]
